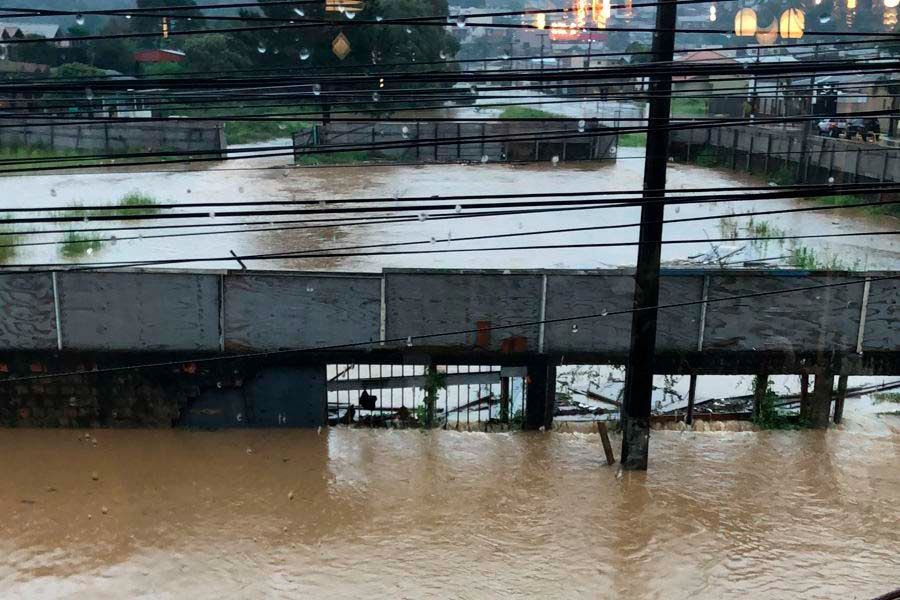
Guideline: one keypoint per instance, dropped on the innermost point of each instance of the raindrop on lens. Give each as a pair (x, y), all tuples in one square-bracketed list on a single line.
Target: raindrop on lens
[(349, 14), (423, 217), (458, 209), (113, 240), (404, 132), (824, 18), (375, 96), (484, 159), (261, 48), (409, 342), (53, 193), (89, 93), (304, 53), (299, 12), (317, 89), (604, 312), (79, 19), (379, 18), (409, 30), (460, 22), (581, 126), (555, 160), (433, 240), (128, 17), (89, 251), (473, 88), (831, 180), (505, 56), (574, 327), (212, 215), (443, 55)]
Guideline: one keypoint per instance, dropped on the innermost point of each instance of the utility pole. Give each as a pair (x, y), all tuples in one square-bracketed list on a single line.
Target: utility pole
[(640, 367)]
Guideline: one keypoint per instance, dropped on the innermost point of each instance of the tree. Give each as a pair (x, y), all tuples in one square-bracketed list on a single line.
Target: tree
[(217, 52)]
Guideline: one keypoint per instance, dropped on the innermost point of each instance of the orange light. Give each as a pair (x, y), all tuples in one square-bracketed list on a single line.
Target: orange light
[(540, 21), (745, 22), (792, 23)]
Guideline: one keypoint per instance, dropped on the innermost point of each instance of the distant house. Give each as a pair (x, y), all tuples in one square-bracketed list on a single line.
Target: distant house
[(724, 84), (159, 55)]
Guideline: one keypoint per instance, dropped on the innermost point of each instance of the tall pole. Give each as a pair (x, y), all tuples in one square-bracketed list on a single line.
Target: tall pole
[(639, 372)]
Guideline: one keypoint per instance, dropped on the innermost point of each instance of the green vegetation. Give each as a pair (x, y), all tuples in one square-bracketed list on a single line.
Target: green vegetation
[(844, 200), (8, 237), (335, 158), (893, 397), (40, 156), (633, 140), (689, 107), (434, 381), (524, 112), (766, 415), (76, 244), (126, 206)]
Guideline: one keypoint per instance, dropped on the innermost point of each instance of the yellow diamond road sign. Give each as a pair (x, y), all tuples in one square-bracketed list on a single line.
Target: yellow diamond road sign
[(341, 46)]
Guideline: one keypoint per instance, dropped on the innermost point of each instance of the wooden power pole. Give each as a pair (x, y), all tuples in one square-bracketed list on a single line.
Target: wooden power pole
[(640, 368)]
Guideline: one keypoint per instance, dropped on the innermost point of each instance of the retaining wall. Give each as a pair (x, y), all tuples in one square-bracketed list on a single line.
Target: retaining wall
[(175, 135), (465, 141)]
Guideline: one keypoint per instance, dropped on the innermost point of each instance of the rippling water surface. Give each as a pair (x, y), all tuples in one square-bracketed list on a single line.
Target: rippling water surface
[(406, 514)]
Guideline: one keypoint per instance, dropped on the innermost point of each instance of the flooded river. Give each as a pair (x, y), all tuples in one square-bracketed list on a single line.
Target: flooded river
[(406, 514), (241, 180)]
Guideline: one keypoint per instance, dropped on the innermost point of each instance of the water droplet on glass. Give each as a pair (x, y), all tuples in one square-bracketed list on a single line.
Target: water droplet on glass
[(349, 14), (409, 30), (53, 193), (79, 19), (604, 312), (458, 209), (404, 132), (219, 384), (574, 327), (341, 8), (831, 180), (188, 190), (449, 236), (824, 18), (484, 159), (317, 89), (322, 203), (299, 12), (555, 160), (241, 190), (310, 289), (505, 56), (443, 55), (423, 217), (261, 48), (113, 240), (460, 22), (128, 17), (581, 126), (212, 215), (89, 93), (86, 219), (89, 251), (376, 96), (304, 53), (473, 88), (409, 342), (379, 18), (276, 51), (433, 240)]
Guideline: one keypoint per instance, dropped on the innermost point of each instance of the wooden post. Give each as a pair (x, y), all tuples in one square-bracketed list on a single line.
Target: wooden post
[(749, 168), (768, 151), (540, 394), (823, 391), (639, 371), (607, 446), (856, 167), (839, 399), (504, 399), (692, 392), (804, 395)]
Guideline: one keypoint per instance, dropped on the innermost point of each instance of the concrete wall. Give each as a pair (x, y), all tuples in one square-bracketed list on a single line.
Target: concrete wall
[(182, 136), (216, 312), (751, 148), (465, 141)]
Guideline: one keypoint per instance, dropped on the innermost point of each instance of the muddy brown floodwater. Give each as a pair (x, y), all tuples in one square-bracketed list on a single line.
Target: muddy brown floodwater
[(406, 514)]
